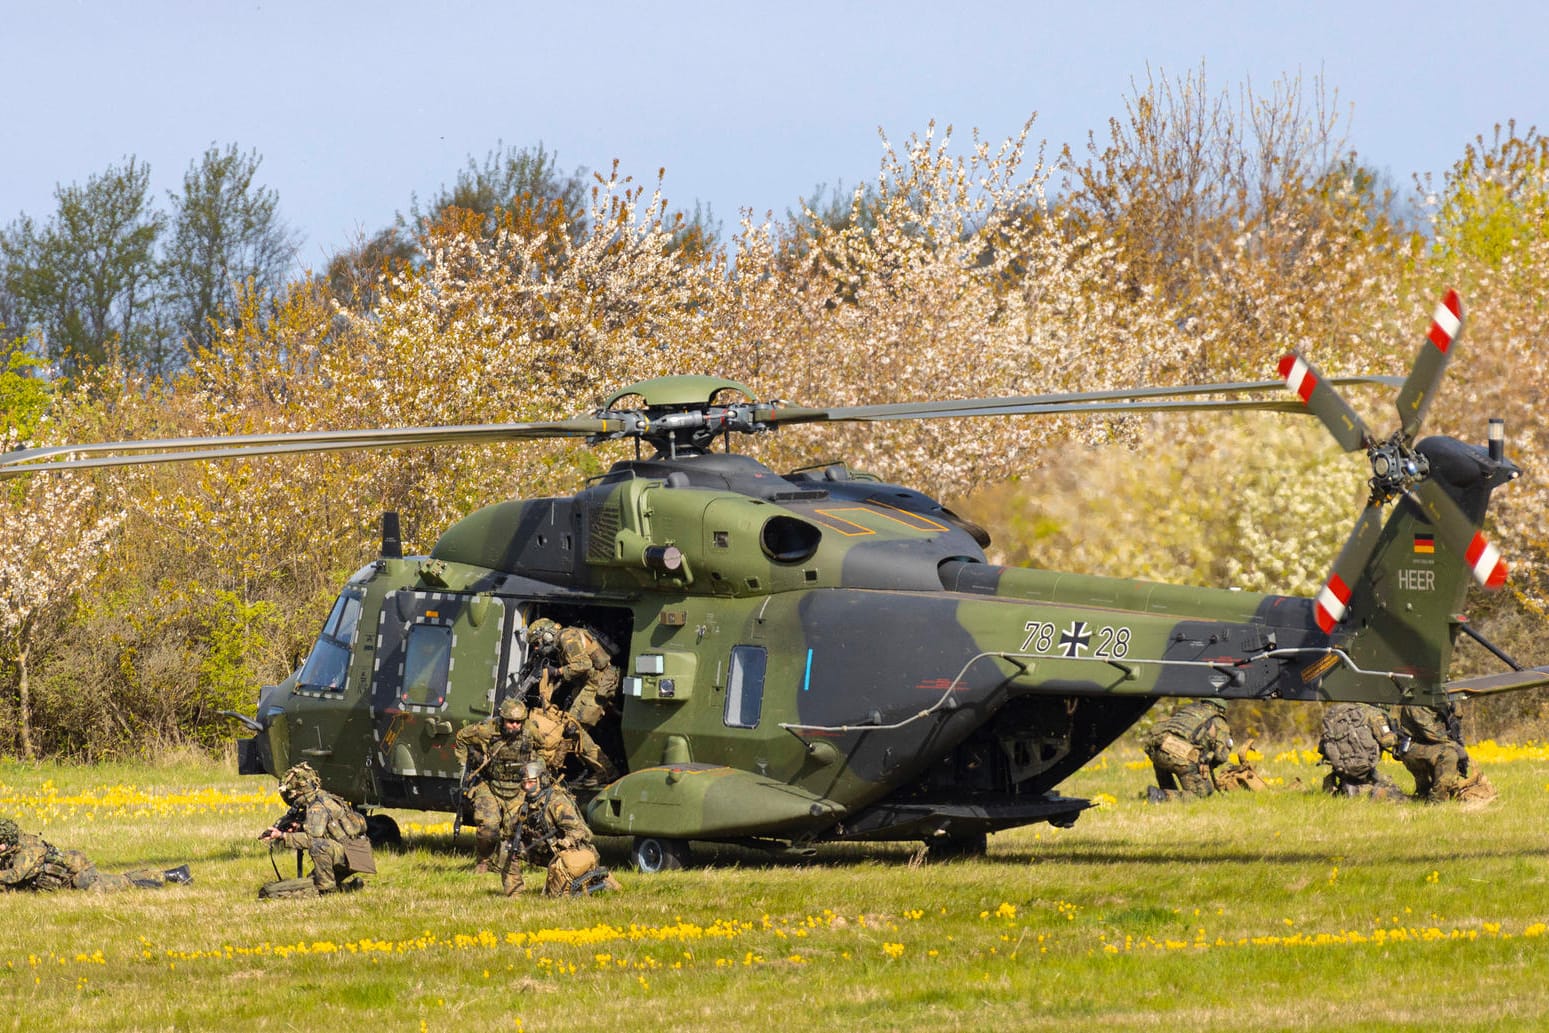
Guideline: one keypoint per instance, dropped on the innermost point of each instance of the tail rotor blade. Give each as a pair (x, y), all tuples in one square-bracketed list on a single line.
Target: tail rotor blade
[(1324, 402), (1334, 600), (1418, 390), (1460, 535)]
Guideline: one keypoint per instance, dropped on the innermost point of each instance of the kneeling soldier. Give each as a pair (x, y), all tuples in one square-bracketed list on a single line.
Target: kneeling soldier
[(328, 830), (550, 833)]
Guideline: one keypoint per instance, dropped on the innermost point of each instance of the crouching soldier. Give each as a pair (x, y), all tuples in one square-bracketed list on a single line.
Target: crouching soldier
[(29, 862), (1186, 749), (1355, 736), (1431, 747), (550, 833), (326, 829)]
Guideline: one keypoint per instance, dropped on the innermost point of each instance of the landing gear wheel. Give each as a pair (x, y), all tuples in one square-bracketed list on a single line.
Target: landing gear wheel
[(652, 854), (383, 831), (951, 848)]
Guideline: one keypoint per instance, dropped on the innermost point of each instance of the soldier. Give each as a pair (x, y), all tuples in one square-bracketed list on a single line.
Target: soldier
[(1431, 747), (1353, 740), (582, 667), (328, 830), (549, 833), (1186, 749), (499, 750), (29, 862), (556, 735)]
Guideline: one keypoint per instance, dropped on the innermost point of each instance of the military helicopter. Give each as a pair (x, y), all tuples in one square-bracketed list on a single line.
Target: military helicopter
[(820, 656)]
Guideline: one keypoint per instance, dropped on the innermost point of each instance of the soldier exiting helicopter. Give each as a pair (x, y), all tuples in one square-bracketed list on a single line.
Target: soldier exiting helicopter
[(492, 754), (582, 676)]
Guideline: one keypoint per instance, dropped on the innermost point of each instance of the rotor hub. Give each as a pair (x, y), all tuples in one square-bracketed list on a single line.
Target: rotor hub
[(1396, 468)]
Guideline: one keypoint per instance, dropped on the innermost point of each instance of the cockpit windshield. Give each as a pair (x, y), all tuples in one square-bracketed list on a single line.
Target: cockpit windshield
[(329, 662)]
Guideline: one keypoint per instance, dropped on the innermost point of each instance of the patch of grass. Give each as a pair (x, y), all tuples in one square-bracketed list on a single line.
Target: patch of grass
[(1283, 910)]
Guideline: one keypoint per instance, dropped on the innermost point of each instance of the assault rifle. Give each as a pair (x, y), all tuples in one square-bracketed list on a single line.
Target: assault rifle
[(290, 821), (537, 674)]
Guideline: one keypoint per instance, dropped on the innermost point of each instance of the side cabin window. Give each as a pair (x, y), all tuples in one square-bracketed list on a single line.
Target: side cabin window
[(329, 662), (745, 686), (427, 665)]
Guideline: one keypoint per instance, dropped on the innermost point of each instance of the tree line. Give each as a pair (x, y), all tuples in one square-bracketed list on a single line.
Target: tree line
[(1199, 236)]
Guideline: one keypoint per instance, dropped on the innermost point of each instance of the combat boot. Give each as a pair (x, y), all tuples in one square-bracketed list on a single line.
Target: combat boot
[(483, 850), (511, 881)]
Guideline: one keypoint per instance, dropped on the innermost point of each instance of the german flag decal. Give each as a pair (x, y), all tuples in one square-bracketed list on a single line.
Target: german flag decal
[(1425, 543)]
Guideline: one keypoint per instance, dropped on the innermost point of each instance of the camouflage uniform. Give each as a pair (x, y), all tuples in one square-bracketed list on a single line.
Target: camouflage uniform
[(585, 670), (1434, 754), (1355, 771), (555, 735), (552, 835), (29, 862), (319, 824), (500, 756), (1187, 747)]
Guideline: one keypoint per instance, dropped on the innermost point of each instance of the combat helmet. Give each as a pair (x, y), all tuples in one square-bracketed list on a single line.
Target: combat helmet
[(10, 835), (1219, 704), (543, 633), (513, 710), (300, 783), (537, 773)]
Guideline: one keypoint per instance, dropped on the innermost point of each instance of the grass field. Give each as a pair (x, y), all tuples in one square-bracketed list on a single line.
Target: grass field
[(1282, 910)]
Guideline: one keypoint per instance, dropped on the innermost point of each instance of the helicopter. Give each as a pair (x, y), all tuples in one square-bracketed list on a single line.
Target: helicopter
[(820, 656)]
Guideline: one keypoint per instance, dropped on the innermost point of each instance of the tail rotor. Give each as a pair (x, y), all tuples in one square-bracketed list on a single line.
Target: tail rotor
[(1398, 469)]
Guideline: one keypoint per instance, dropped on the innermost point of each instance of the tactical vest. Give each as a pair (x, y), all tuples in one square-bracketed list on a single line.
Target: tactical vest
[(344, 821), (503, 769), (1347, 742)]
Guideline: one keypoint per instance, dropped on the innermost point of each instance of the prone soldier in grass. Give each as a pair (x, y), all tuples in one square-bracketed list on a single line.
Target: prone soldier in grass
[(29, 862)]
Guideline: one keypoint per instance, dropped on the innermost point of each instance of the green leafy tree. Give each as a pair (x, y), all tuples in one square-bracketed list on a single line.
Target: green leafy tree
[(85, 281), (24, 393), (225, 236)]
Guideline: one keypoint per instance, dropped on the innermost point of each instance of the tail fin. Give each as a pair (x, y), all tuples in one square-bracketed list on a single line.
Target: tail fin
[(1405, 607)]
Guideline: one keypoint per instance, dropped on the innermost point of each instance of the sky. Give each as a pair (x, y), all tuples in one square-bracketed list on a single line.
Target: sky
[(356, 107)]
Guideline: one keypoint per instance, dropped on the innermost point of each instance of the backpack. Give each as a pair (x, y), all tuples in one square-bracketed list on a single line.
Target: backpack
[(1347, 742)]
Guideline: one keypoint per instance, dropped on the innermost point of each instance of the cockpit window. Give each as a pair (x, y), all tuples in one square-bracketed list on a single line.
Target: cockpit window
[(341, 623), (329, 662)]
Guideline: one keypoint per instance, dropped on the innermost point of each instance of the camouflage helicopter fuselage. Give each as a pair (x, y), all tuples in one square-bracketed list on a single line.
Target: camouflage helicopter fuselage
[(824, 656)]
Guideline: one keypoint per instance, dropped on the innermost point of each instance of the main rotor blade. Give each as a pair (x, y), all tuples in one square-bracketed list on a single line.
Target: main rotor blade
[(178, 450), (1418, 390), (1460, 535), (1334, 600), (1138, 399), (1318, 394)]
